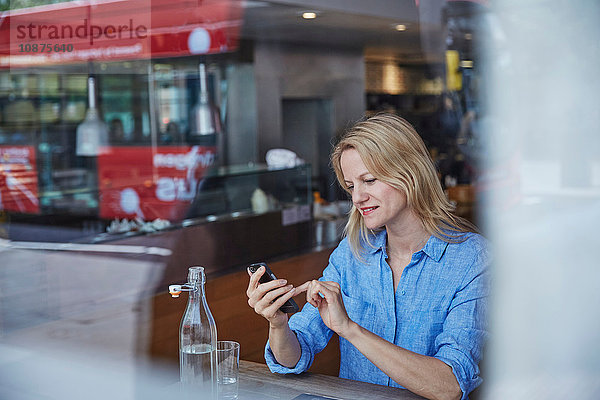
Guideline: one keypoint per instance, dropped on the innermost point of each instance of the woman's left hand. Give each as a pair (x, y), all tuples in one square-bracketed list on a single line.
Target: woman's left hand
[(327, 298)]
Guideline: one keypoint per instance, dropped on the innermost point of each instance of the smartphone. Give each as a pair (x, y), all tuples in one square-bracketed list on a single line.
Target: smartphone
[(289, 306)]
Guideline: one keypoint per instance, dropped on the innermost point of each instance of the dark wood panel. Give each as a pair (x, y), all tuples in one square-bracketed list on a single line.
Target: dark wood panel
[(226, 296)]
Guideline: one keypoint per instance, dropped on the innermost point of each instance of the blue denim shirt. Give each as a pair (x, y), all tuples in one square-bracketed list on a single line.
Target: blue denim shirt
[(439, 308)]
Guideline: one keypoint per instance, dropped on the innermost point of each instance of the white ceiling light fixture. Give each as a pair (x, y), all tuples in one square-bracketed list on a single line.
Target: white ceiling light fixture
[(400, 27), (309, 15), (466, 63)]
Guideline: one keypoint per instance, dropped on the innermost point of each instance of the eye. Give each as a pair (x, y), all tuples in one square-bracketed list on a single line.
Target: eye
[(349, 188), (370, 180)]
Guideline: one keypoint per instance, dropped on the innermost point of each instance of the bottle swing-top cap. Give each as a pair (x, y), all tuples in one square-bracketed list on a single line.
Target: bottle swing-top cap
[(175, 290), (195, 276)]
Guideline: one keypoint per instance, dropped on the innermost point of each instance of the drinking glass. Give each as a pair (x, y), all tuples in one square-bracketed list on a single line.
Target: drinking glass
[(228, 366)]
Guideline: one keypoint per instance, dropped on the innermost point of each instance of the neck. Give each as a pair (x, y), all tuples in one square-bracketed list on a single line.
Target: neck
[(406, 239)]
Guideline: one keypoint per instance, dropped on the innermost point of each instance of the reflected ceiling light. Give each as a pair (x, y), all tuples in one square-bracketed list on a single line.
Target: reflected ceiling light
[(400, 27), (466, 63), (309, 15)]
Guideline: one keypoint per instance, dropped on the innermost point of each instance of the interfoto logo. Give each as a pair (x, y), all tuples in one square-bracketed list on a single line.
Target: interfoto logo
[(85, 30)]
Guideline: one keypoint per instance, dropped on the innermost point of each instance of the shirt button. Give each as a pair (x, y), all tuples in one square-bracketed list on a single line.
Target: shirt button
[(403, 292)]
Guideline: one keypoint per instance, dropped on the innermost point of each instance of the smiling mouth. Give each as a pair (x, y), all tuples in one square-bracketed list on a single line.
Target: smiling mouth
[(368, 210)]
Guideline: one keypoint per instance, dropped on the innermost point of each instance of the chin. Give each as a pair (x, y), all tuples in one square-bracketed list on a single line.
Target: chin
[(373, 225)]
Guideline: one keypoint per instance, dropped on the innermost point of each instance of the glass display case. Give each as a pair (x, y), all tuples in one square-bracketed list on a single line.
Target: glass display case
[(250, 189), (230, 193)]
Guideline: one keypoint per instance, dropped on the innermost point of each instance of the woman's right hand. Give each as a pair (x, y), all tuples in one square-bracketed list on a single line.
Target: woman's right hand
[(262, 297)]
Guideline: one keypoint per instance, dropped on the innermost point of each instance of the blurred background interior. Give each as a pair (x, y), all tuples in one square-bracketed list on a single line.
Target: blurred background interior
[(141, 137)]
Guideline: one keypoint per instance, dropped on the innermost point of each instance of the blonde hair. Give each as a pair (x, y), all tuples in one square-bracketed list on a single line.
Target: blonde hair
[(394, 153)]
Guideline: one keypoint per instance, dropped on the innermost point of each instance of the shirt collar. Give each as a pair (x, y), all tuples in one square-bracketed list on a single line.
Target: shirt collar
[(378, 242), (434, 248)]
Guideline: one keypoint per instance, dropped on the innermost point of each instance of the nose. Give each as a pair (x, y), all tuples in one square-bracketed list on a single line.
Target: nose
[(359, 194)]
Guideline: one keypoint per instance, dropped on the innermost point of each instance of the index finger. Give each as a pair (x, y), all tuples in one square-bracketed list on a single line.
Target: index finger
[(302, 288), (254, 278)]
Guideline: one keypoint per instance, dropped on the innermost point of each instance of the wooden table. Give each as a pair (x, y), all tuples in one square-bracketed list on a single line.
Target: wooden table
[(257, 382)]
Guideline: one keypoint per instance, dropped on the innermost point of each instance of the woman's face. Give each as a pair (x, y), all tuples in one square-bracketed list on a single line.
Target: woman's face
[(379, 203)]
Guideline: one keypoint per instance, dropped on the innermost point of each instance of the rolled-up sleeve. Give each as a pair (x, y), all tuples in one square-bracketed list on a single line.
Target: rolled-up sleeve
[(464, 333), (313, 335)]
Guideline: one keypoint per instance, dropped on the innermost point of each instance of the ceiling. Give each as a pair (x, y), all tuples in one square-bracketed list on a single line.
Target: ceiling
[(370, 29)]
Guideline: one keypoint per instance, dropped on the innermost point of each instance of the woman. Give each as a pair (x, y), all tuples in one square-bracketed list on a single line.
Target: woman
[(405, 290)]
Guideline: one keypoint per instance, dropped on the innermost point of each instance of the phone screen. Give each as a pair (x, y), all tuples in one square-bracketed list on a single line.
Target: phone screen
[(289, 306)]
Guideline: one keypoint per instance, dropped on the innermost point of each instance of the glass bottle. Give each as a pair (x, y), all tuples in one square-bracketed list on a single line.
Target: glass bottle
[(197, 339)]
